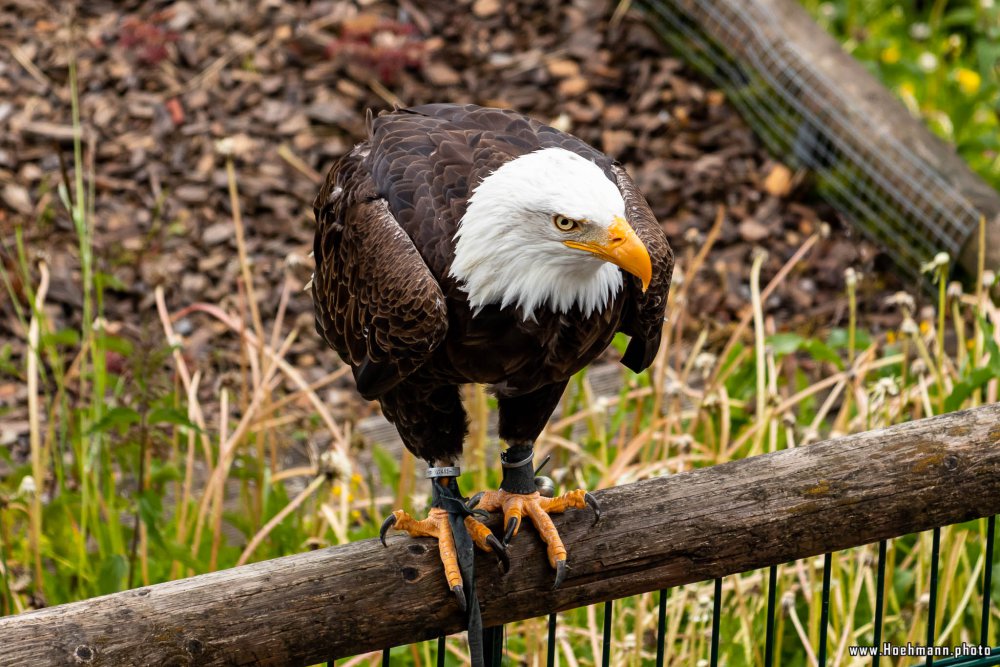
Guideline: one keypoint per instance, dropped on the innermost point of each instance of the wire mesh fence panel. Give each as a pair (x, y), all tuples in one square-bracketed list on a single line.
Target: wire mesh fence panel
[(891, 193)]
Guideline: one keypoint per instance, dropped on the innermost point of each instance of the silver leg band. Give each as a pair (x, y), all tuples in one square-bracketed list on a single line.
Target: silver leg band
[(517, 464), (449, 471)]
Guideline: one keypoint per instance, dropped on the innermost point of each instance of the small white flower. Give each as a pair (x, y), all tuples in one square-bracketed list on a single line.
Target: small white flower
[(920, 31), (336, 464), (903, 300), (940, 259), (888, 386), (927, 61), (27, 486), (705, 362), (850, 277)]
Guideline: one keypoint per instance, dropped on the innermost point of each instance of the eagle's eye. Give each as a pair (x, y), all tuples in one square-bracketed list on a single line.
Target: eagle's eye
[(564, 224)]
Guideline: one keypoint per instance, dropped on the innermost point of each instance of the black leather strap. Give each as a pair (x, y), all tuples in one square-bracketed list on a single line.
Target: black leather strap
[(447, 496)]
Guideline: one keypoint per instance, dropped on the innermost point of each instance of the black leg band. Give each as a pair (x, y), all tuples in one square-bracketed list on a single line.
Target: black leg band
[(518, 469)]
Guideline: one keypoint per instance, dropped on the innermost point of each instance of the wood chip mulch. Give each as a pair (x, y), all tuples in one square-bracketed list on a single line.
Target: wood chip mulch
[(287, 83)]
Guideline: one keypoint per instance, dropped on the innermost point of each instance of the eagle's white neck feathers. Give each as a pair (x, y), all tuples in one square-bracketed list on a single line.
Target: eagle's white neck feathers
[(508, 252)]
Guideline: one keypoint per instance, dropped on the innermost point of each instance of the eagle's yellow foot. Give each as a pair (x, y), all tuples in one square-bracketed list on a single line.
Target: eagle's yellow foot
[(537, 507), (436, 525)]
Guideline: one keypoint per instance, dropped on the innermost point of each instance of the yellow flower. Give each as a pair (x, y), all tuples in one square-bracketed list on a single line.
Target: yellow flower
[(890, 337), (925, 326), (890, 55), (968, 80), (908, 93)]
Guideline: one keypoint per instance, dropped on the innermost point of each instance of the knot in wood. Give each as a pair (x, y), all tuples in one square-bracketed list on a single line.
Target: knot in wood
[(83, 653)]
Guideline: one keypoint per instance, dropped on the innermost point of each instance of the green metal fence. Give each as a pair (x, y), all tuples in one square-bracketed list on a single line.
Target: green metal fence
[(494, 636)]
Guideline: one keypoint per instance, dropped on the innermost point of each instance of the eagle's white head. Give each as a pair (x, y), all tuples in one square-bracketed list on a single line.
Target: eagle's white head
[(546, 230)]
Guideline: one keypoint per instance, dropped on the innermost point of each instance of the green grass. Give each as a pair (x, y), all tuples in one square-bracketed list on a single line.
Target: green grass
[(941, 57), (126, 431)]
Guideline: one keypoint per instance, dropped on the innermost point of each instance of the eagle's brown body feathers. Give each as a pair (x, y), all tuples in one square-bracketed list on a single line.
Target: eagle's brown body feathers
[(387, 218)]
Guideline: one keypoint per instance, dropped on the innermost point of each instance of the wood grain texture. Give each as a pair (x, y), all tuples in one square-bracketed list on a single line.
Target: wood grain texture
[(657, 533)]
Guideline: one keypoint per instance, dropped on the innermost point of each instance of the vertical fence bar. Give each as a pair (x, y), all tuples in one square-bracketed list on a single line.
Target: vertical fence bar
[(772, 592), (932, 602), (440, 655), (991, 523), (493, 646), (716, 618), (606, 650), (824, 615), (879, 601), (385, 657), (661, 629), (497, 646), (550, 659)]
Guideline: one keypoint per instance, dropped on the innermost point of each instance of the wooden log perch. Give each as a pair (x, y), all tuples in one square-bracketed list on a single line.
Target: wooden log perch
[(657, 533)]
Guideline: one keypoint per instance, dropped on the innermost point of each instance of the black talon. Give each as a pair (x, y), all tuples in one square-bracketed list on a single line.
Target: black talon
[(474, 500), (503, 558), (389, 522), (592, 501), (560, 573), (460, 594), (511, 527)]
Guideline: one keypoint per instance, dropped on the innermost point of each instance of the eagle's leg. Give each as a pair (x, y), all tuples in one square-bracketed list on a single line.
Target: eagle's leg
[(519, 497), (437, 525), (521, 493)]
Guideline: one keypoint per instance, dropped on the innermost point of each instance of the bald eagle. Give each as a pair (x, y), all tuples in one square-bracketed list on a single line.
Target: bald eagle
[(462, 244)]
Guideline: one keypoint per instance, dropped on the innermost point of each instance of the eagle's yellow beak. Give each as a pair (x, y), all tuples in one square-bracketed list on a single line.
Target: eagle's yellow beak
[(622, 248)]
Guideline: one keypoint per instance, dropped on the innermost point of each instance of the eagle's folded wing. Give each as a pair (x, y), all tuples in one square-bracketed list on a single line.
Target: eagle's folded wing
[(376, 301), (644, 321)]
